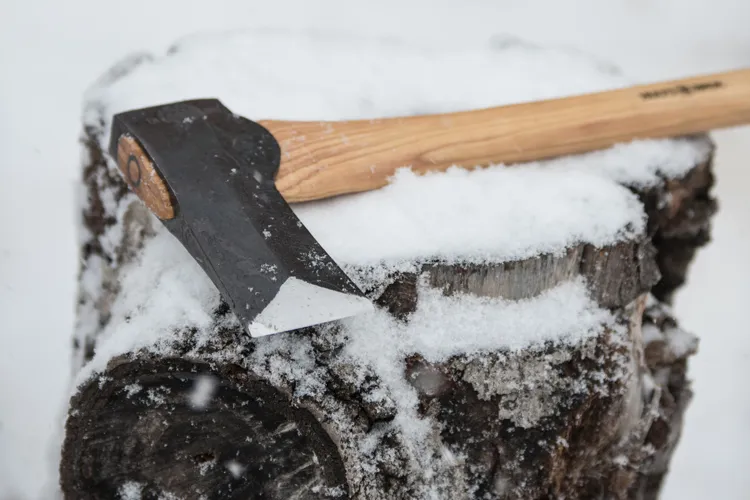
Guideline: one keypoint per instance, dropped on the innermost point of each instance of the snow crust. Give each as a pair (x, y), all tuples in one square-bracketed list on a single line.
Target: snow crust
[(444, 326), (158, 296), (497, 213)]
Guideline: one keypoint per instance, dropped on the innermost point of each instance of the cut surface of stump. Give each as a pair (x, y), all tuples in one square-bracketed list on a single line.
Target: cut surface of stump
[(193, 433), (522, 345)]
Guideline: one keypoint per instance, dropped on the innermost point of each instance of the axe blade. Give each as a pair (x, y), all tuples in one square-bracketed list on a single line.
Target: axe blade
[(208, 174)]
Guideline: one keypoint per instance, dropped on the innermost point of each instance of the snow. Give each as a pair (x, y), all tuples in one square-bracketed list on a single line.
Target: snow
[(621, 460), (180, 283), (56, 49), (204, 467), (681, 342), (533, 209), (336, 492), (132, 389), (235, 468), (444, 326), (203, 391), (130, 491)]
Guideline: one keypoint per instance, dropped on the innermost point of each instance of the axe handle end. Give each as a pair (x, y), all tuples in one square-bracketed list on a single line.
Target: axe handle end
[(323, 159), (144, 180)]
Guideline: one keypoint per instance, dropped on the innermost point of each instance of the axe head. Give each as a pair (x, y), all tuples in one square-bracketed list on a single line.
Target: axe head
[(208, 175)]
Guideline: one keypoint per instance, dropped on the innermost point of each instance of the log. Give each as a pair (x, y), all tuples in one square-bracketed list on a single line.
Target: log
[(558, 374)]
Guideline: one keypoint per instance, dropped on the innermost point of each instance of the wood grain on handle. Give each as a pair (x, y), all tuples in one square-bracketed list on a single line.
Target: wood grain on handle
[(322, 159), (143, 179)]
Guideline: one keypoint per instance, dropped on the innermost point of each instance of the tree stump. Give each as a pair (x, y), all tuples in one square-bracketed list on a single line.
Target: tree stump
[(552, 371)]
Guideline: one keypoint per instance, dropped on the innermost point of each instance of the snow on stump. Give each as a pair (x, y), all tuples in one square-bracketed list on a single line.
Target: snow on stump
[(522, 346)]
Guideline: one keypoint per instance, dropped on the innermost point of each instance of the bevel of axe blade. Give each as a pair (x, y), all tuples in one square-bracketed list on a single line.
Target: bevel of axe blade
[(220, 183)]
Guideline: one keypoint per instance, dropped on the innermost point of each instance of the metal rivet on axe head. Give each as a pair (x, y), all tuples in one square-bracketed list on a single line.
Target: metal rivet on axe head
[(208, 175)]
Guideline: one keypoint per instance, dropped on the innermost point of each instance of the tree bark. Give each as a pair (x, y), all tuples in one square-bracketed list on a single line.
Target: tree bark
[(595, 419)]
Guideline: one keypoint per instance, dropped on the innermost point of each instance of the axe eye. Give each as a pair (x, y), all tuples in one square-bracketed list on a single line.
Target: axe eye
[(134, 171)]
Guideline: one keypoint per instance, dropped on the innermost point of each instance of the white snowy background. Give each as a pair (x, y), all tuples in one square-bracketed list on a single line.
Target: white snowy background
[(50, 51)]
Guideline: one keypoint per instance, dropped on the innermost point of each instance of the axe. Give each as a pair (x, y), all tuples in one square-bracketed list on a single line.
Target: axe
[(220, 183)]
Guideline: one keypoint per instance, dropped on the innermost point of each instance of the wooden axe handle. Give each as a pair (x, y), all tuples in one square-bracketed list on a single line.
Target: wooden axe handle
[(323, 159)]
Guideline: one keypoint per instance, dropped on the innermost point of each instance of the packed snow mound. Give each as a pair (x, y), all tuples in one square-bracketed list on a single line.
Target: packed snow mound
[(491, 214)]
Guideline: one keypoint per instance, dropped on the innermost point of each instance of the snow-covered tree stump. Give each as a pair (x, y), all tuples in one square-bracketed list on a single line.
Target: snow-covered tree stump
[(522, 348)]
